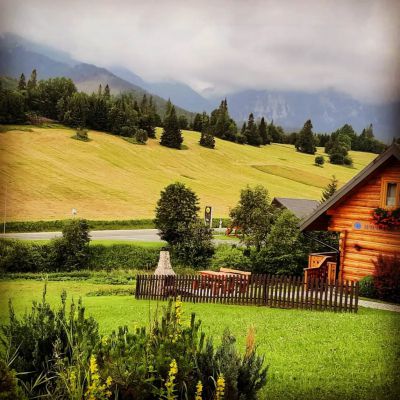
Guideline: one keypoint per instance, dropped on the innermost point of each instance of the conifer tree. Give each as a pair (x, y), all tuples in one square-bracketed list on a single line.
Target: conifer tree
[(251, 132), (100, 90), (32, 83), (330, 189), (263, 132), (107, 94), (171, 135), (305, 142), (206, 139), (22, 82)]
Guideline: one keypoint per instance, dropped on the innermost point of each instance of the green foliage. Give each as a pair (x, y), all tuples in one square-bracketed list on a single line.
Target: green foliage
[(71, 251), (81, 134), (284, 252), (263, 132), (195, 247), (171, 135), (12, 106), (34, 337), (330, 189), (9, 389), (177, 207), (221, 124), (367, 287), (276, 133), (319, 160), (228, 256), (58, 225), (206, 137), (141, 136), (183, 122), (254, 215), (251, 132), (306, 142)]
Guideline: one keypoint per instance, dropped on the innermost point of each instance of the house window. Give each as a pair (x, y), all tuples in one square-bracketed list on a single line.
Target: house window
[(390, 194)]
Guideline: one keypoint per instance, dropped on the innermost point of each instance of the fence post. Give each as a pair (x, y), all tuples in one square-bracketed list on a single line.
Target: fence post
[(137, 291)]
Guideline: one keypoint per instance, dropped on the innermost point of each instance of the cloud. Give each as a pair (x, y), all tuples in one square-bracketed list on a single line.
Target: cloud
[(225, 46)]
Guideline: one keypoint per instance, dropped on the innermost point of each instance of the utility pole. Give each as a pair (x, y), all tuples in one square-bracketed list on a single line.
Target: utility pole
[(5, 209)]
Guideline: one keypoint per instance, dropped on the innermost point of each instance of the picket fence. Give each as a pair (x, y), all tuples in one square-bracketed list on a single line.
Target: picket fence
[(257, 289)]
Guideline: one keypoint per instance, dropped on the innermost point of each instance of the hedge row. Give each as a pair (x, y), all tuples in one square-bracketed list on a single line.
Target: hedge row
[(58, 225)]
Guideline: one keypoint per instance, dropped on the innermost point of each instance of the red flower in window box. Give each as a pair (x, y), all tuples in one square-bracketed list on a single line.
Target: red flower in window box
[(386, 218)]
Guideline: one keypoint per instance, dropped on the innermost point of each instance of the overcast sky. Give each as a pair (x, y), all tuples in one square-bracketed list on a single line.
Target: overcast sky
[(224, 46)]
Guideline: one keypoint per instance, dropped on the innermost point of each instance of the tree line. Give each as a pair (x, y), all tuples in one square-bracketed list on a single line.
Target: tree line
[(58, 99)]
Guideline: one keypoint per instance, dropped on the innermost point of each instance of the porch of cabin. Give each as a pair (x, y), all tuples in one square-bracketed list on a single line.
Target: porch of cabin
[(322, 266)]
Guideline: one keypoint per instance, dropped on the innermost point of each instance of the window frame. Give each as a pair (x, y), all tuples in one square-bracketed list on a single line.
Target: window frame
[(384, 188)]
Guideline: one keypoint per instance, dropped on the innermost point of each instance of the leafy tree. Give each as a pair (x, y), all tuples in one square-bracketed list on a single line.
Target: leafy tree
[(275, 133), (77, 110), (71, 251), (263, 132), (12, 106), (305, 141), (177, 207), (195, 247), (251, 132), (198, 122), (171, 135), (330, 189), (206, 137), (22, 82), (254, 215), (141, 136)]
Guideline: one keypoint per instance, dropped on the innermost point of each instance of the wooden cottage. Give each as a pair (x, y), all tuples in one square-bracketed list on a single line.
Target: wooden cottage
[(366, 213)]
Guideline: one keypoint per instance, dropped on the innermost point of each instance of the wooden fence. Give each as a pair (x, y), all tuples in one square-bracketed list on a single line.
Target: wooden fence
[(260, 290)]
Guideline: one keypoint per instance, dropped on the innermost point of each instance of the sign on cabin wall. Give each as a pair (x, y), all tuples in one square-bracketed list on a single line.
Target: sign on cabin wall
[(370, 226)]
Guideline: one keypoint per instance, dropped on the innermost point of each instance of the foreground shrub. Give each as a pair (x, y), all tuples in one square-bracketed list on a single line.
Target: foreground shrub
[(367, 287), (9, 389), (387, 277), (173, 359)]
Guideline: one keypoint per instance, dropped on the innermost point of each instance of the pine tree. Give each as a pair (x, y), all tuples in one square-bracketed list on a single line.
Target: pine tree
[(251, 132), (206, 139), (263, 132), (100, 90), (32, 83), (305, 141), (330, 189), (22, 83), (107, 94), (171, 135)]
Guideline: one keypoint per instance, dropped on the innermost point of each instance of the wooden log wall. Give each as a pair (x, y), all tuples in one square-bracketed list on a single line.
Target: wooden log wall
[(360, 247)]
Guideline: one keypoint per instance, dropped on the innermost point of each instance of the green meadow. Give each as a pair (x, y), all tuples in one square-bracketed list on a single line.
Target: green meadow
[(311, 355), (45, 173)]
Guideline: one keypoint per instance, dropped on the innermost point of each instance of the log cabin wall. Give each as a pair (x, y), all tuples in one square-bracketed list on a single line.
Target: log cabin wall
[(361, 241)]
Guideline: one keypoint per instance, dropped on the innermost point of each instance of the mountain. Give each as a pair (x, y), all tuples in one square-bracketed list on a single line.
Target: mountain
[(16, 58), (179, 93), (328, 111)]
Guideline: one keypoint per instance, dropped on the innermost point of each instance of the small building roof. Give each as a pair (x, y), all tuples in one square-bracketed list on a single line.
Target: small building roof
[(318, 219), (301, 208)]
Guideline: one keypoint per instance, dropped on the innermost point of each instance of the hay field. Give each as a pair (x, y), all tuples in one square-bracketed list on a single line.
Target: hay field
[(44, 173)]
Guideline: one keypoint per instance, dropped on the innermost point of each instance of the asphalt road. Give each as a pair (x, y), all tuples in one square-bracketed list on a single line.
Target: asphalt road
[(144, 235)]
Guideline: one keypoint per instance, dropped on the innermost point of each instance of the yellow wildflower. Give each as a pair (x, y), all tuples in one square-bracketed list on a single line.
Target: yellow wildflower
[(170, 384), (220, 388), (199, 391)]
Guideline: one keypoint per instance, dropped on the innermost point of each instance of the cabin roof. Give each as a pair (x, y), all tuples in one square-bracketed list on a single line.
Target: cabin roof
[(317, 218), (301, 208)]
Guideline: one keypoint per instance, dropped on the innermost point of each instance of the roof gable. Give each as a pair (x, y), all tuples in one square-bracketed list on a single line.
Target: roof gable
[(392, 151), (301, 208)]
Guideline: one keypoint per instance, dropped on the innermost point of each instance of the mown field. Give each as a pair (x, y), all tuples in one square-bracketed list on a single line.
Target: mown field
[(44, 173), (311, 355)]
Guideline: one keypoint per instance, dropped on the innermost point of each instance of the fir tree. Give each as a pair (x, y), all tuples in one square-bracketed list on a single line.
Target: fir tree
[(32, 83), (251, 132), (171, 135), (100, 90), (305, 142), (22, 83), (107, 94), (330, 189), (263, 132), (206, 139)]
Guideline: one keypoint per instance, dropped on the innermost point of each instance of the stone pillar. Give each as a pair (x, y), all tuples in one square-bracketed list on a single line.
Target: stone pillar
[(164, 264)]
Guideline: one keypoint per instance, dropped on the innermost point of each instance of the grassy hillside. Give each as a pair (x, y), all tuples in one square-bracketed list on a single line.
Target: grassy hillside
[(48, 173)]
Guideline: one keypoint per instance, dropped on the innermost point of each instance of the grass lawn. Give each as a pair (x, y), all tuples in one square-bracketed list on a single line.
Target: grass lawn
[(311, 355), (48, 173)]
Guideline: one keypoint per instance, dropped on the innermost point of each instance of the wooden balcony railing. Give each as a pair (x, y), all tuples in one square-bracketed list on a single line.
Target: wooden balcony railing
[(321, 266)]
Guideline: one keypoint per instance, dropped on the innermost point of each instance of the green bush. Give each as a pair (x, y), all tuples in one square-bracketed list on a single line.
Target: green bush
[(227, 256), (319, 160), (66, 355), (367, 287), (17, 256), (122, 256), (9, 389)]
